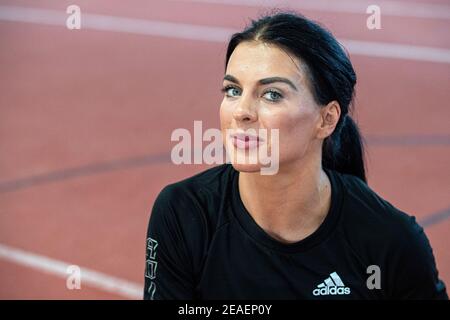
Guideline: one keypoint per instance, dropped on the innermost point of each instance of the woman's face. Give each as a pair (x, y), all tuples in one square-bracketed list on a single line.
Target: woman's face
[(267, 89)]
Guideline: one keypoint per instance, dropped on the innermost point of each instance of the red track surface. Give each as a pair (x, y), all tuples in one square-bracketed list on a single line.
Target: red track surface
[(71, 99)]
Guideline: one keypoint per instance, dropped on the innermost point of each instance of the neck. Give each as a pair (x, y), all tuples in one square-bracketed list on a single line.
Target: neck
[(289, 205)]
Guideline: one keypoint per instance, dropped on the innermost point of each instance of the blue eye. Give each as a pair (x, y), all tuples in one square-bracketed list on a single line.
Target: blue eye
[(272, 95), (231, 91)]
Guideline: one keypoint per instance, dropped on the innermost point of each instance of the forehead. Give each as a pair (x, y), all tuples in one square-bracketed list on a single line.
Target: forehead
[(256, 60)]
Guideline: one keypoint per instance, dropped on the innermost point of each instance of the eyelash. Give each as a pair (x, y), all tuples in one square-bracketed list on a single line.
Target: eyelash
[(228, 87)]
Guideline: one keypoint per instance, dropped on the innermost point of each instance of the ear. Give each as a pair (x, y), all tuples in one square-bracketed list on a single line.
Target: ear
[(329, 117)]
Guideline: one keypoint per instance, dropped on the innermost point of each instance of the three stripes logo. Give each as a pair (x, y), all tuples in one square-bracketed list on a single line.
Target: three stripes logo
[(332, 285)]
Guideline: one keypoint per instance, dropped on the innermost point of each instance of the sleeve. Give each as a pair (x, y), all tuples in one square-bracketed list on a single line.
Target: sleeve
[(415, 275), (168, 267)]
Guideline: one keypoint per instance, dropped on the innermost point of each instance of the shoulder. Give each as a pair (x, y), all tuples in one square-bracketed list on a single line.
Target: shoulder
[(382, 234), (212, 182), (373, 226), (196, 200), (364, 208), (186, 213)]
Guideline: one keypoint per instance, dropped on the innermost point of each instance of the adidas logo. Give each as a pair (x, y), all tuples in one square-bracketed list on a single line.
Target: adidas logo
[(332, 285)]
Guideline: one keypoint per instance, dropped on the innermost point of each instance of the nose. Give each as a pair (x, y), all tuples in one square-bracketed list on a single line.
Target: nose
[(245, 111)]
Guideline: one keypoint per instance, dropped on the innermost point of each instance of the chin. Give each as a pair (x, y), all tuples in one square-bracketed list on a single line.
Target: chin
[(246, 167)]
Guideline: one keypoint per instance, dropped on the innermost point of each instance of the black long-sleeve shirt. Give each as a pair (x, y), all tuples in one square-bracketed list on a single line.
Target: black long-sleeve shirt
[(203, 244)]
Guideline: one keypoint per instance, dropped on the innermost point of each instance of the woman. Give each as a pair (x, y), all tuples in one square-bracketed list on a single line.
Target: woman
[(313, 230)]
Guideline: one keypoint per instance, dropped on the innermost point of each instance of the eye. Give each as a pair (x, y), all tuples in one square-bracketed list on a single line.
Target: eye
[(273, 95), (231, 91)]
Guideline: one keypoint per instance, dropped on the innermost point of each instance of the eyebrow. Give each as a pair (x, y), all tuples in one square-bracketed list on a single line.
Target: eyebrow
[(270, 80)]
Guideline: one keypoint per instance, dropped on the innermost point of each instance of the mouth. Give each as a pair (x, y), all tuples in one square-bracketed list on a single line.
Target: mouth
[(245, 141)]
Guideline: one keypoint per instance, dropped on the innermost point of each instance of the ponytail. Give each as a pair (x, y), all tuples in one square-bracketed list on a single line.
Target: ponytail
[(343, 151)]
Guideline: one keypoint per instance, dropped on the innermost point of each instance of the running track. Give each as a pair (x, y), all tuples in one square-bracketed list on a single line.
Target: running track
[(86, 117)]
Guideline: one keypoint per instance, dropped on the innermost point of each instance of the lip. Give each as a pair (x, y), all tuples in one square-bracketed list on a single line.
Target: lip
[(245, 141)]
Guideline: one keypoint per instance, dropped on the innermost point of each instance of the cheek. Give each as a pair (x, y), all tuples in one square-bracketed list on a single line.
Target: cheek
[(226, 115), (226, 118), (300, 127), (296, 130)]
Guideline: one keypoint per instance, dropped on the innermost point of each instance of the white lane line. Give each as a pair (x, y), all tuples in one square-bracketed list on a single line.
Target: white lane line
[(388, 8), (396, 51), (117, 24), (93, 278), (207, 33)]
